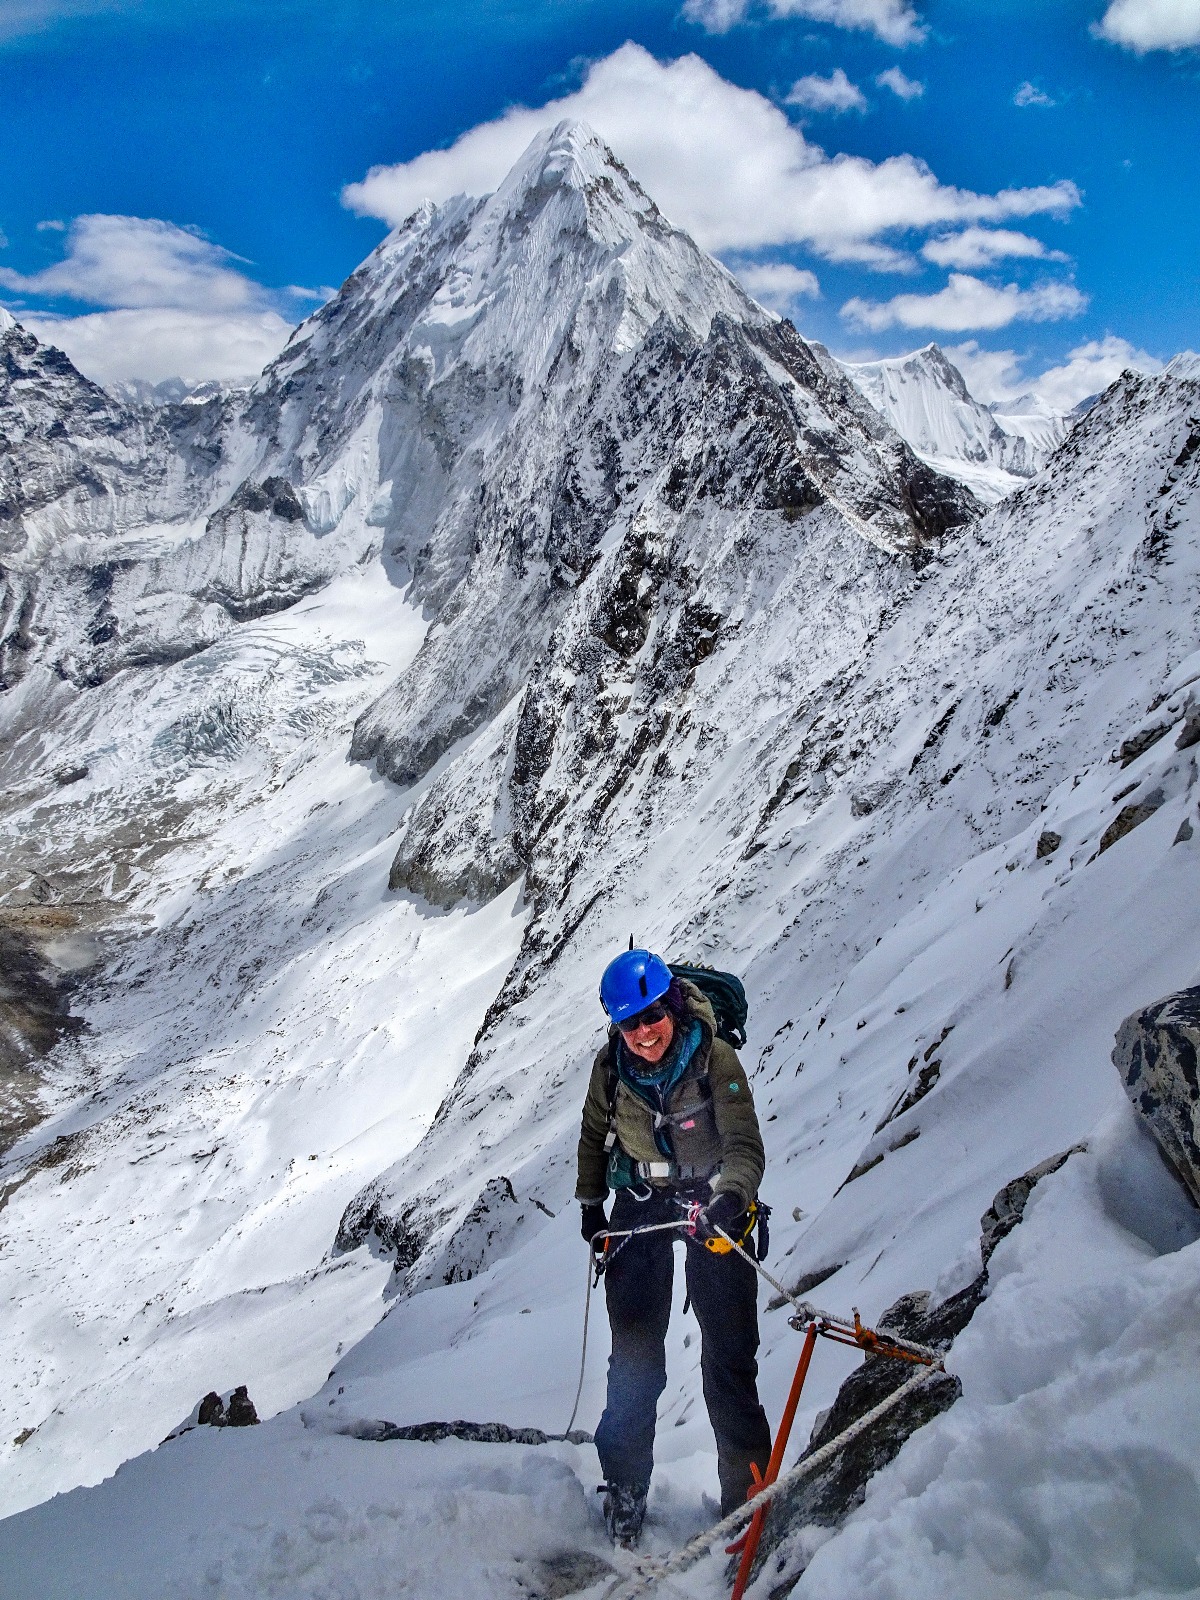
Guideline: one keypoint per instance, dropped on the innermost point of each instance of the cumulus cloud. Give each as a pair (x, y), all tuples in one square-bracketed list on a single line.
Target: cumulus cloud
[(989, 374), (979, 247), (834, 93), (893, 21), (140, 261), (177, 305), (1028, 94), (1088, 369), (895, 80), (166, 342), (1143, 25), (777, 284), (968, 302), (722, 161)]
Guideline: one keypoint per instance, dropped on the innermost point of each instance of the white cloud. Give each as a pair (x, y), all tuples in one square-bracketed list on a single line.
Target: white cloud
[(979, 247), (893, 21), (178, 305), (895, 80), (140, 261), (722, 161), (165, 342), (776, 284), (1089, 368), (989, 374), (1028, 94), (1143, 25), (51, 225), (3, 240), (834, 93), (965, 303)]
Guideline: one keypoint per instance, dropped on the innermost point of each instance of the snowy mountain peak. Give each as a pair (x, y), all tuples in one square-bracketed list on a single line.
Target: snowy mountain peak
[(931, 361), (7, 321), (993, 449), (570, 155), (1185, 367)]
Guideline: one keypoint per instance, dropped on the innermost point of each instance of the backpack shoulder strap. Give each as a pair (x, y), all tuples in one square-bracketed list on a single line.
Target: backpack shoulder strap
[(611, 1080)]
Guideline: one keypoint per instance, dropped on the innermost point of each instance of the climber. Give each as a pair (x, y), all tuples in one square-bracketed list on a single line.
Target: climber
[(668, 1120)]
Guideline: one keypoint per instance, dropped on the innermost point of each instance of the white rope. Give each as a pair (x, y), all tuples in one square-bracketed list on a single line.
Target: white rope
[(656, 1572), (810, 1313), (624, 1233), (587, 1307)]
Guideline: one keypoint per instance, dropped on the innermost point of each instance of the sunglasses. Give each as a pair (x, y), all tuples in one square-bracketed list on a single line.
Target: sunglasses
[(644, 1019)]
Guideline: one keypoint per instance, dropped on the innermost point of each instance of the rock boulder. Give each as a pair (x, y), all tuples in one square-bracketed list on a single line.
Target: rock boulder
[(1156, 1053)]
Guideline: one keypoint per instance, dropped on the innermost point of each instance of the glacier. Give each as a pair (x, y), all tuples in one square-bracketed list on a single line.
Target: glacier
[(544, 590)]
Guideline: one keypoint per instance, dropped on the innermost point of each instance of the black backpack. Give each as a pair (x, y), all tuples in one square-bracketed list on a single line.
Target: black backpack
[(725, 994)]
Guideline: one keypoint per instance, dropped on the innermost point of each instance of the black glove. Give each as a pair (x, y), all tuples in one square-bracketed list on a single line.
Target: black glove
[(722, 1211), (593, 1220)]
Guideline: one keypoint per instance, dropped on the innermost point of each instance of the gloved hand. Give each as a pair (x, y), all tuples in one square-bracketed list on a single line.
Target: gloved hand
[(593, 1221), (722, 1211)]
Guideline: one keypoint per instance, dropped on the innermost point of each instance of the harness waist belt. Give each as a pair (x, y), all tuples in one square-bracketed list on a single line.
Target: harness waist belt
[(665, 1171)]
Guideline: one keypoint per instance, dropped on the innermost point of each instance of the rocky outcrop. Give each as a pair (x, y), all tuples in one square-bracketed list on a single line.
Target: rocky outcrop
[(1157, 1054)]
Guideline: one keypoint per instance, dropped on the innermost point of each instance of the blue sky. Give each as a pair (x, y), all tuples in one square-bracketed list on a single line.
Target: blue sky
[(181, 179)]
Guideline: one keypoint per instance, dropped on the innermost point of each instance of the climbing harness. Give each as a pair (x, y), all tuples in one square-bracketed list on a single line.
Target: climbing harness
[(748, 1519)]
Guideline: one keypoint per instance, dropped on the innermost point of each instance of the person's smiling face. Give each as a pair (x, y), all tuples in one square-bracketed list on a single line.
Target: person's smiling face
[(649, 1034)]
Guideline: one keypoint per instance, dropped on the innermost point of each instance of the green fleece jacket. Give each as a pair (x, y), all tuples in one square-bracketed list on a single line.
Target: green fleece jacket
[(720, 1137)]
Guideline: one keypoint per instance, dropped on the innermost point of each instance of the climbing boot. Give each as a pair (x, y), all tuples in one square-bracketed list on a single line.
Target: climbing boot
[(624, 1513)]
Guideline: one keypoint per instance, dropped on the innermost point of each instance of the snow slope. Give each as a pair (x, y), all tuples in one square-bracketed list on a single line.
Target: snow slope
[(785, 712), (992, 449)]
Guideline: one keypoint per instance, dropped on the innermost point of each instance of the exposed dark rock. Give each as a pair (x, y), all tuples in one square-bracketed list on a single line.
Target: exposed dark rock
[(1189, 732), (68, 775), (472, 1432), (998, 713), (1184, 832), (1007, 1209), (240, 1412), (1138, 743), (404, 1234), (555, 1577), (1156, 1054), (212, 1411), (1130, 817), (1048, 843)]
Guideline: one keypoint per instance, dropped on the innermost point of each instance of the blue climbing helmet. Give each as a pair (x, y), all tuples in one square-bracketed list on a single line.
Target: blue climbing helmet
[(633, 981)]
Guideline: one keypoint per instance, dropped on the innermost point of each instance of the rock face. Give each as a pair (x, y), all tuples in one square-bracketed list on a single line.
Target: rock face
[(1157, 1054)]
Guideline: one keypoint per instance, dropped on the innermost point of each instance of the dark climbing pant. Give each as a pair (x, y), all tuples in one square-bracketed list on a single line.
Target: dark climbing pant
[(724, 1295)]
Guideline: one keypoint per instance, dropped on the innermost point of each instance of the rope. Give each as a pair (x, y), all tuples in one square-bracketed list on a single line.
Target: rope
[(809, 1313), (804, 1308), (654, 1573), (621, 1233), (587, 1307)]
